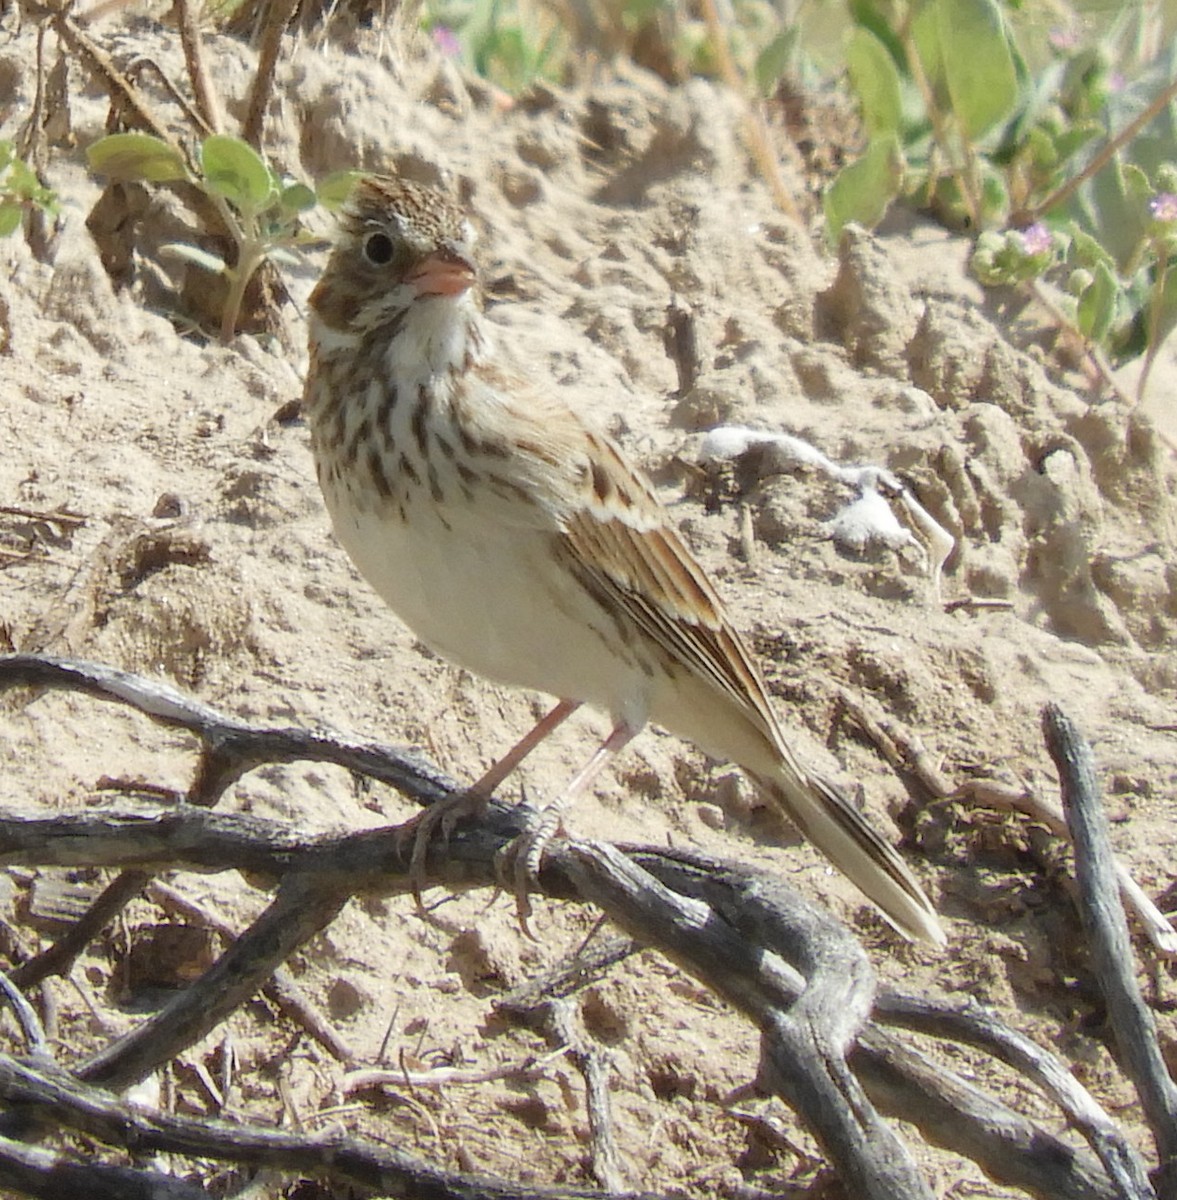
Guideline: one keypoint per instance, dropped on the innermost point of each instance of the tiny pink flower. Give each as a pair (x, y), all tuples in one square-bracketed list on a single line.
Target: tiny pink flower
[(1063, 39), (1163, 207), (446, 40), (1037, 239)]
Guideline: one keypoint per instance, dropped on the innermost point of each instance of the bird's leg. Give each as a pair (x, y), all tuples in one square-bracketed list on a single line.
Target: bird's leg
[(472, 802), (486, 785), (526, 852)]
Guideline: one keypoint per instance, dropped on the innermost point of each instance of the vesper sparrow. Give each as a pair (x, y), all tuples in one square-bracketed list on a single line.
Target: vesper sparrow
[(518, 541)]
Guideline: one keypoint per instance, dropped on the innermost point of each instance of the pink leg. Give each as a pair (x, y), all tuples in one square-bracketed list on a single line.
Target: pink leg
[(499, 771), (472, 802), (528, 849), (608, 750)]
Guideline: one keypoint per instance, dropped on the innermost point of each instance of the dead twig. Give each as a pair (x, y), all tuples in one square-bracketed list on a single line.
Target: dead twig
[(789, 967), (587, 964), (26, 1017), (755, 128), (910, 759), (1107, 932), (62, 517), (566, 1027), (534, 1067), (275, 19), (986, 794), (978, 603), (208, 103), (134, 106)]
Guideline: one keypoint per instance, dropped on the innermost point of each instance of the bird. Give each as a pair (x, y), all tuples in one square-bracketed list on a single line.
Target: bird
[(517, 540)]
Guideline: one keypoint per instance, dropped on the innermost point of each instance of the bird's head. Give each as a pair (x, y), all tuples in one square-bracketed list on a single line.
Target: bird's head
[(399, 243)]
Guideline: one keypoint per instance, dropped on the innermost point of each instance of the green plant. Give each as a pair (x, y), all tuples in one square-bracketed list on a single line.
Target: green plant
[(500, 40), (1072, 161), (20, 189), (260, 209)]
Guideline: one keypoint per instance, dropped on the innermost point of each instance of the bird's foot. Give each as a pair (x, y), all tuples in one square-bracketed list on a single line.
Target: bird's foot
[(421, 829), (520, 860)]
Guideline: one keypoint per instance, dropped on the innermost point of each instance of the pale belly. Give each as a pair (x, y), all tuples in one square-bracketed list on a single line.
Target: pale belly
[(488, 598)]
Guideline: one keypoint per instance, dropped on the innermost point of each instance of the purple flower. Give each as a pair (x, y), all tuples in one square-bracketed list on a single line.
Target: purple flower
[(1163, 207), (1037, 239), (1063, 39), (446, 40)]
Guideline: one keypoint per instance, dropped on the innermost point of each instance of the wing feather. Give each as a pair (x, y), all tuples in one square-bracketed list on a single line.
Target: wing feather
[(619, 540)]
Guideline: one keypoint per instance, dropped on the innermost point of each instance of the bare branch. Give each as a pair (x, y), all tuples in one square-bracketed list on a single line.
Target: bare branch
[(774, 956), (208, 103), (951, 1112), (275, 19), (58, 958), (231, 747), (101, 1115), (970, 1023), (1107, 931), (44, 1173), (303, 906)]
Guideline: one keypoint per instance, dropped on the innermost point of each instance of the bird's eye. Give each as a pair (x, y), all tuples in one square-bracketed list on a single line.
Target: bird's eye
[(378, 249)]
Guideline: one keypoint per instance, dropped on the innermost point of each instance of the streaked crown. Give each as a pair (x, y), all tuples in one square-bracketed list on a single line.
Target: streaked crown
[(387, 229), (396, 223)]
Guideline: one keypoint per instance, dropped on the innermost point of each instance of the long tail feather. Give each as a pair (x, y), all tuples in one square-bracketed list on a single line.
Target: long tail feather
[(828, 819)]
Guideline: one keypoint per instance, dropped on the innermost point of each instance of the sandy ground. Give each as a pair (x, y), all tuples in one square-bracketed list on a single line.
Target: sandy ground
[(600, 208)]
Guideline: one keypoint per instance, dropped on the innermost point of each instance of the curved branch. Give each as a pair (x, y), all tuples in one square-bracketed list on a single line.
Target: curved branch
[(750, 938)]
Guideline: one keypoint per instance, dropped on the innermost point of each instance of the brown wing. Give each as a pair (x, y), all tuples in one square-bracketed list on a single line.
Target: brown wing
[(616, 537), (620, 543)]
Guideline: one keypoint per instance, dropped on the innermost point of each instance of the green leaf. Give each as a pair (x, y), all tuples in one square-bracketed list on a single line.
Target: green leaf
[(194, 254), (234, 169), (297, 198), (978, 64), (1166, 311), (1088, 252), (10, 214), (925, 36), (875, 18), (7, 154), (335, 189), (772, 63), (876, 80), (994, 199), (1112, 209), (21, 181), (1097, 305), (136, 156), (1075, 138), (864, 188)]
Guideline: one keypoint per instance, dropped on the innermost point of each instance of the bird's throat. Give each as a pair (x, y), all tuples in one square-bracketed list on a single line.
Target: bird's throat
[(438, 337)]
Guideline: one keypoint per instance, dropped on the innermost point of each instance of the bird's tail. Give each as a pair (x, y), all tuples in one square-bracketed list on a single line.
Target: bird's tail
[(827, 818)]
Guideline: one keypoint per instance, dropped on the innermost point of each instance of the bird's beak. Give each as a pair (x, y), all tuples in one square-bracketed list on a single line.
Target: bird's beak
[(445, 272)]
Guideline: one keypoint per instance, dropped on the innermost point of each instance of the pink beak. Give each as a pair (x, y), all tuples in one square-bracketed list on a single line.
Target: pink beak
[(442, 273)]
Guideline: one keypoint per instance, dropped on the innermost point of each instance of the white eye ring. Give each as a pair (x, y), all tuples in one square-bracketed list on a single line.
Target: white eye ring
[(377, 248)]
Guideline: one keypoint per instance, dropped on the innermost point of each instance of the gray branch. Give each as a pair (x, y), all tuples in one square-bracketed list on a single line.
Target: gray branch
[(1107, 931), (770, 953)]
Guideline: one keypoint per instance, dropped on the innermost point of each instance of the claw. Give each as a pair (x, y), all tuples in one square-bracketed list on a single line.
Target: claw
[(521, 859), (421, 828)]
